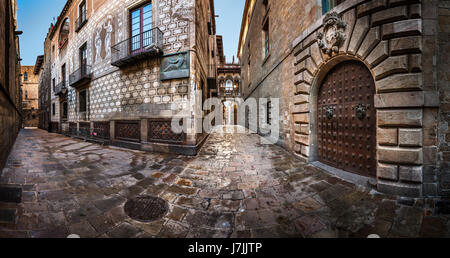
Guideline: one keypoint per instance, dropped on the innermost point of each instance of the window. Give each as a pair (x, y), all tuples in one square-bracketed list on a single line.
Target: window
[(54, 84), (229, 85), (65, 109), (141, 27), (64, 33), (83, 101), (83, 59), (266, 39), (269, 112), (83, 13), (63, 74), (327, 5), (25, 76), (53, 109), (26, 94)]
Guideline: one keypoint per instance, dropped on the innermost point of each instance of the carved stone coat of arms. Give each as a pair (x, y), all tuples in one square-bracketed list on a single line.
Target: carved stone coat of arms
[(333, 35)]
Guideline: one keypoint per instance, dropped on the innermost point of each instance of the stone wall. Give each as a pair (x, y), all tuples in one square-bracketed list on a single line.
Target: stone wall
[(10, 98), (443, 74), (30, 93), (135, 92), (272, 76), (398, 42)]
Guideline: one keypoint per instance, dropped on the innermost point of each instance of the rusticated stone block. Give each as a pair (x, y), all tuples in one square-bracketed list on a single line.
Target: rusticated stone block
[(412, 44), (410, 137), (298, 148), (301, 118), (401, 189), (302, 55), (377, 55), (359, 32), (303, 88), (415, 11), (400, 82), (400, 155), (370, 7), (316, 54), (399, 99), (349, 18), (303, 77), (415, 63), (390, 15), (392, 65), (411, 174), (370, 42), (300, 99), (302, 108), (388, 137), (400, 118), (304, 129), (402, 28), (306, 150), (389, 172), (303, 139)]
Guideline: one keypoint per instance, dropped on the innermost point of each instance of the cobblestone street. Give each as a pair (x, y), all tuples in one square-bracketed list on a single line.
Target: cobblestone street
[(235, 187)]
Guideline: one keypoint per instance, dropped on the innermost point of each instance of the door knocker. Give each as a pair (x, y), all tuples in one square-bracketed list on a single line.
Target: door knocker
[(361, 111), (329, 112)]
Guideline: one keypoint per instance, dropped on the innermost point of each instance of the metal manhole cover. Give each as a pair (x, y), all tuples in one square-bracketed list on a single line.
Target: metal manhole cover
[(146, 208)]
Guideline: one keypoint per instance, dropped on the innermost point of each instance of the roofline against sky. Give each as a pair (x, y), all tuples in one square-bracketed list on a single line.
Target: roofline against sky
[(243, 25)]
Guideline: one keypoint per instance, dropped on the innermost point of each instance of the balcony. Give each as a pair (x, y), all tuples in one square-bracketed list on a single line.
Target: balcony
[(61, 89), (81, 21), (229, 93), (81, 76), (142, 46)]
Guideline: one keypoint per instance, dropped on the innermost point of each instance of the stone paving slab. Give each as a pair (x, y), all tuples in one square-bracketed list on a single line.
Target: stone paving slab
[(236, 187)]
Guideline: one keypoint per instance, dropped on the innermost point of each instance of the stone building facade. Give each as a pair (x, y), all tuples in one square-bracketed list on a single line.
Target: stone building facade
[(10, 97), (124, 68), (363, 86), (30, 93)]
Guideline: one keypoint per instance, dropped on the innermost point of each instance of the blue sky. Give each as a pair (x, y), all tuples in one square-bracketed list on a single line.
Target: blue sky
[(35, 17)]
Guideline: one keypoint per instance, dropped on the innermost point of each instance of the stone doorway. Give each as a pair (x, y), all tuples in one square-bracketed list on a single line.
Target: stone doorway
[(346, 116)]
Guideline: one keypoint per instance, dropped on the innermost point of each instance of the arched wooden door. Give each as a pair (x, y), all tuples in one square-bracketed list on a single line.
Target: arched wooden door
[(347, 119)]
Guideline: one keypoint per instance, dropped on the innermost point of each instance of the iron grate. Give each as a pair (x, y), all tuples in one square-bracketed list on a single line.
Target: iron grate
[(146, 208)]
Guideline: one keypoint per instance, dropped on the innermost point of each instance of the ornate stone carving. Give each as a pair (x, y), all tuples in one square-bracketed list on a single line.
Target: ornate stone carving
[(333, 34)]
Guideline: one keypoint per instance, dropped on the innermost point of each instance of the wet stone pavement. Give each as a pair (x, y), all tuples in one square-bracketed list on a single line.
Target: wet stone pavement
[(236, 187)]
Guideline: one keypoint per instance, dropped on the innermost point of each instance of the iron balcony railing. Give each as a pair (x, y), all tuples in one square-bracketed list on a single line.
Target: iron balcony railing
[(234, 93), (81, 21), (80, 76), (61, 88), (141, 46)]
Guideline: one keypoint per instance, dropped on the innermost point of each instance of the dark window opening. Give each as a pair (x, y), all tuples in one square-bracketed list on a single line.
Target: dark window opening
[(54, 84), (63, 74), (65, 110), (53, 109), (269, 112), (83, 101), (83, 59), (25, 76)]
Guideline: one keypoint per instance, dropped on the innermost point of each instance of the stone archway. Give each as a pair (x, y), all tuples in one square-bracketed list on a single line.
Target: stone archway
[(394, 58), (346, 119)]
